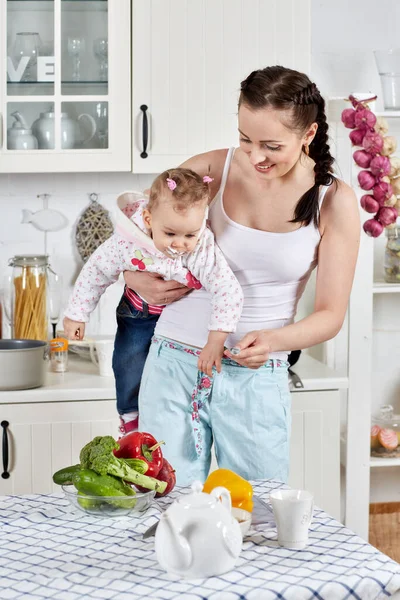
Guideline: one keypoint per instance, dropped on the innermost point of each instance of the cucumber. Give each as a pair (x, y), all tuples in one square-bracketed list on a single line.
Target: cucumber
[(64, 476), (90, 483)]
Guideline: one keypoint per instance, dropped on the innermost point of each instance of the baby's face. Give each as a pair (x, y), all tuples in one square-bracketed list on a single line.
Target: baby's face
[(175, 233)]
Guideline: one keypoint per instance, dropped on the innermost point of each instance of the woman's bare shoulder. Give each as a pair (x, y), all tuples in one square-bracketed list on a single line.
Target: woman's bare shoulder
[(202, 163), (340, 206), (209, 163), (339, 195)]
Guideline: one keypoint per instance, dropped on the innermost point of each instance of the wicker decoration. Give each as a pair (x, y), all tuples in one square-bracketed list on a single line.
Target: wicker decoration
[(93, 228)]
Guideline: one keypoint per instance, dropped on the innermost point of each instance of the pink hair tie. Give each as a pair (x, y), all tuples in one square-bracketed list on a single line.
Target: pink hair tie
[(171, 183), (207, 179)]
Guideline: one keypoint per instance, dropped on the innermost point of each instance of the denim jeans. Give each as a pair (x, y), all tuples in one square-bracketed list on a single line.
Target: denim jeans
[(132, 343)]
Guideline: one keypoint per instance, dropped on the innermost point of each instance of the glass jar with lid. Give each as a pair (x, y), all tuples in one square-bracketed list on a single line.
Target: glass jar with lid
[(385, 433), (29, 318), (391, 261)]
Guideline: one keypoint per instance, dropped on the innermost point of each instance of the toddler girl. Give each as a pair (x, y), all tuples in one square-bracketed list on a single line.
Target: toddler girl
[(166, 235)]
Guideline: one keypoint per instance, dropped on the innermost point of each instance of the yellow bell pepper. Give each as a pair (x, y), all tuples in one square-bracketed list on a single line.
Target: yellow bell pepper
[(240, 489)]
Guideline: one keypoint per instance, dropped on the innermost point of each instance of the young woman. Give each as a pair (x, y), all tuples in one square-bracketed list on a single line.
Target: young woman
[(277, 212)]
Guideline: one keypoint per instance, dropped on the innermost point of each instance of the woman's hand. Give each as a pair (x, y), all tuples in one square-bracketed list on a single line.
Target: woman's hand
[(254, 349), (153, 288)]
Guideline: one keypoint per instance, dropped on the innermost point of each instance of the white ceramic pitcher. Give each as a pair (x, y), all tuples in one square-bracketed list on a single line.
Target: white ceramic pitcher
[(71, 132)]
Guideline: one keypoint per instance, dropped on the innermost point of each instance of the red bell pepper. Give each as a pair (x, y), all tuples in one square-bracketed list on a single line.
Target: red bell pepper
[(139, 444), (167, 473)]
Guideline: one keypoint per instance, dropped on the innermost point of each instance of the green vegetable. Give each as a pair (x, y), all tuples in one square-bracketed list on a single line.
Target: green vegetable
[(64, 476), (136, 464), (89, 483), (98, 456), (88, 503)]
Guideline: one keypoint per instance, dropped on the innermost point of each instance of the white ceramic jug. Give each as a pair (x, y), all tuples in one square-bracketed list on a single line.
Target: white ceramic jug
[(197, 536), (71, 134), (19, 136)]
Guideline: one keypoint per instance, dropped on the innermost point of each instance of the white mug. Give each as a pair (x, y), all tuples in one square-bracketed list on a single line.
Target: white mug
[(293, 511), (103, 356)]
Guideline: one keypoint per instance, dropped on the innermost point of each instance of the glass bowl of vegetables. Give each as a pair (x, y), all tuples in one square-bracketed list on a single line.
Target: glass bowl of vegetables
[(109, 506)]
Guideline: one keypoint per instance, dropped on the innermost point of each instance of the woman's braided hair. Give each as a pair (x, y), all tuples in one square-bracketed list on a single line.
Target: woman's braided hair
[(288, 90)]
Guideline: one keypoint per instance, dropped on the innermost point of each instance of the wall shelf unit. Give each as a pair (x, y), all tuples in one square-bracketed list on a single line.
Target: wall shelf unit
[(354, 348)]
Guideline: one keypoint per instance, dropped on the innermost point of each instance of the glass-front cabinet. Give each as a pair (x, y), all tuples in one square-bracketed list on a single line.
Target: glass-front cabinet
[(65, 85)]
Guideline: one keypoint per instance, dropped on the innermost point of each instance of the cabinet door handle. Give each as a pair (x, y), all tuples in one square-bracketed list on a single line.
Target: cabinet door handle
[(1, 130), (5, 474), (145, 131)]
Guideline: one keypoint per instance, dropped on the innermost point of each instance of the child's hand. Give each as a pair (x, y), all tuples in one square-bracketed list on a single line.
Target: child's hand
[(74, 330), (212, 353)]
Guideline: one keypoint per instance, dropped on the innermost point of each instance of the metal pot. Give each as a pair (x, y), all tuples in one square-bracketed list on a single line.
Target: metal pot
[(23, 364)]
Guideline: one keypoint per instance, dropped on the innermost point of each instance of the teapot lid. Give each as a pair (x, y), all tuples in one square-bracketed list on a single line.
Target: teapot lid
[(198, 498)]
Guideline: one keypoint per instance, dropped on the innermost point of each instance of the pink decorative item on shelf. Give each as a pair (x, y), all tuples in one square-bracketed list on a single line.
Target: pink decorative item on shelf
[(380, 169)]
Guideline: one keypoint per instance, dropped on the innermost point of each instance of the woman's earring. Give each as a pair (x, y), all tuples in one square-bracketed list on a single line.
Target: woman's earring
[(306, 149)]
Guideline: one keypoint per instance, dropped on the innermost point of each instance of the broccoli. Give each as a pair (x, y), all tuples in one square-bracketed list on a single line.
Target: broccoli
[(98, 455)]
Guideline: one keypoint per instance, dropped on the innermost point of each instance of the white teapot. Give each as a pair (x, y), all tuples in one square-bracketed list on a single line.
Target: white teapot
[(71, 134), (197, 536)]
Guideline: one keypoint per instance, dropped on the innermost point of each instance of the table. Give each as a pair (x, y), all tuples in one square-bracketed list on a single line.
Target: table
[(48, 549)]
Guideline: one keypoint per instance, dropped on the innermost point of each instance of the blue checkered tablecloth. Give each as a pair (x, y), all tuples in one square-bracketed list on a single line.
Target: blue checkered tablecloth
[(48, 549)]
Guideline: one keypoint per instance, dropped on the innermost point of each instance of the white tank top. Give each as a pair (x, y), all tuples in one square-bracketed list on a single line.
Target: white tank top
[(272, 268)]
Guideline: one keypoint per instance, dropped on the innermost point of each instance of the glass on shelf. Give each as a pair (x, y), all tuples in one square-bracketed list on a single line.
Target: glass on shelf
[(391, 262), (30, 61), (84, 47), (100, 49), (25, 52), (55, 298), (388, 64), (101, 119), (76, 47), (385, 434)]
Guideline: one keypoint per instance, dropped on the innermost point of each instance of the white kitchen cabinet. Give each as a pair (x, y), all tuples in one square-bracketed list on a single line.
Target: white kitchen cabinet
[(45, 437), (189, 57), (315, 447), (72, 97)]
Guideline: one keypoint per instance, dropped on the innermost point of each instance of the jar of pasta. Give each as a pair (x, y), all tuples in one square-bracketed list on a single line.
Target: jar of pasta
[(29, 315)]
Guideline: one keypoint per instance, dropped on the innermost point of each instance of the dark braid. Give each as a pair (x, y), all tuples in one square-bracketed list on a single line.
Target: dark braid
[(307, 209), (288, 90)]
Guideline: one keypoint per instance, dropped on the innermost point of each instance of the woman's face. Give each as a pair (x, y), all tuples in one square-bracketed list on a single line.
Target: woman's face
[(273, 149)]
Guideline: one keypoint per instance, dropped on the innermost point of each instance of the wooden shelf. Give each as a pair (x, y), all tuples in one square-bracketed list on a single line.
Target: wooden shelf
[(382, 287)]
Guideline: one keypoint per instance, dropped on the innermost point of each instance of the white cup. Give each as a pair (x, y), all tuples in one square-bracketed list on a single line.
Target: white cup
[(293, 511), (103, 356)]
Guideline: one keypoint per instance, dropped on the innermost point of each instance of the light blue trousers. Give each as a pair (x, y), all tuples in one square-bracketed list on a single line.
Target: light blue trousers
[(244, 412)]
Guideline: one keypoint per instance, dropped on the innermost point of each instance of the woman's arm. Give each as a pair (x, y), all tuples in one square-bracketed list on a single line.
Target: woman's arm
[(151, 287), (209, 163), (337, 257)]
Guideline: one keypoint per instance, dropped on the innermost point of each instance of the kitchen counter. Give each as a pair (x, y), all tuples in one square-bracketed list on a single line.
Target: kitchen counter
[(82, 382)]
